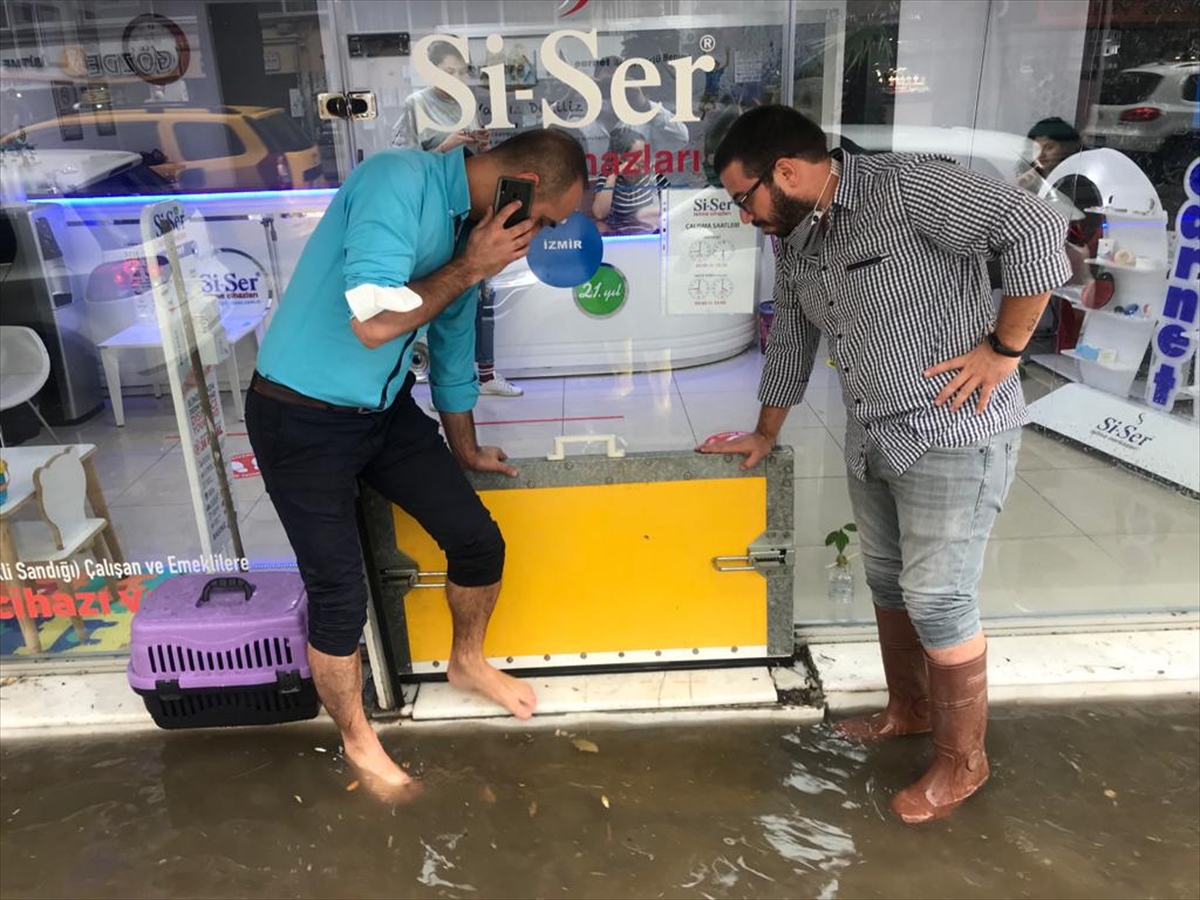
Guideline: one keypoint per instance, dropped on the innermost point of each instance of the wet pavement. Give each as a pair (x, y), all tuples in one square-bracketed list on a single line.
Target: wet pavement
[(1084, 802)]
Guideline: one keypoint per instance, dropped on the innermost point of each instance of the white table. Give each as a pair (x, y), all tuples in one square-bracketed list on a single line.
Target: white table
[(146, 336), (22, 463)]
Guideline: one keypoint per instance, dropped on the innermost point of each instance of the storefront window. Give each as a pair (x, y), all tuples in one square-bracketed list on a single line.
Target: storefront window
[(91, 89), (1085, 105), (163, 164)]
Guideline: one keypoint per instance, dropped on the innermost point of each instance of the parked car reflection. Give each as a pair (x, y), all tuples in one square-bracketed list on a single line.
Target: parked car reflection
[(198, 148), (1151, 112)]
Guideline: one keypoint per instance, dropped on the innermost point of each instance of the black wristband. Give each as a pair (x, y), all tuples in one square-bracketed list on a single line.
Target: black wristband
[(998, 347)]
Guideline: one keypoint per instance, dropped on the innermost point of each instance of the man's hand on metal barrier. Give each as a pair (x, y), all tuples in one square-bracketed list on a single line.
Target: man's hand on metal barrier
[(491, 459), (753, 445)]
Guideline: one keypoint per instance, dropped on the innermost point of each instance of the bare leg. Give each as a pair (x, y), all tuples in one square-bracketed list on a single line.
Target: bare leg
[(471, 608), (339, 685)]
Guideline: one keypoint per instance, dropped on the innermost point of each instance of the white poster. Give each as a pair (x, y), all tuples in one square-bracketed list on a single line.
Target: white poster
[(1165, 445), (710, 256), (193, 343)]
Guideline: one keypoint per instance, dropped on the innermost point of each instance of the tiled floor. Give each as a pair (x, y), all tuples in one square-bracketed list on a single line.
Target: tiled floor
[(1078, 535)]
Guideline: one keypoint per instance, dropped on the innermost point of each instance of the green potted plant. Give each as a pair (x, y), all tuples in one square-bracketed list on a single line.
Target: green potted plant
[(841, 579)]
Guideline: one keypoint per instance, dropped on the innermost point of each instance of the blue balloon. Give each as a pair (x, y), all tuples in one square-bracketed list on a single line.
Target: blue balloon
[(567, 254)]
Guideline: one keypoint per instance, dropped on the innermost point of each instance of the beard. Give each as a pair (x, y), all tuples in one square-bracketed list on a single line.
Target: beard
[(786, 212)]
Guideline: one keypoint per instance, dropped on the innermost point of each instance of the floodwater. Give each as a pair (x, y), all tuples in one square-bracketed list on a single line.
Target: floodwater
[(1084, 802)]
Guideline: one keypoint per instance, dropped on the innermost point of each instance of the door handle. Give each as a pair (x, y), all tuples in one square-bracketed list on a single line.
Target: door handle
[(350, 105)]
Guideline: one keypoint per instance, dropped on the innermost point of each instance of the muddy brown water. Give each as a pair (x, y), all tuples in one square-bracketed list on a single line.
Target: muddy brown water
[(1096, 801)]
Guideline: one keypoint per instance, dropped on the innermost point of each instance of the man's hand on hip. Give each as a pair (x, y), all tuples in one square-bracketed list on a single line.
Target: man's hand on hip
[(490, 459), (983, 369), (754, 446)]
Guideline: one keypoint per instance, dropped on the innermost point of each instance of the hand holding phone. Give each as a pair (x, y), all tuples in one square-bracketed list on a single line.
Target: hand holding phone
[(509, 190), (491, 246)]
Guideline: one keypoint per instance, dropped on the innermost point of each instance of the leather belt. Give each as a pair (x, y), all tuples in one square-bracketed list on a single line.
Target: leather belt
[(276, 391)]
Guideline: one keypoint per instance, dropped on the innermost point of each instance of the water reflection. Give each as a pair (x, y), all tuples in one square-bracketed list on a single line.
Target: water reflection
[(705, 811)]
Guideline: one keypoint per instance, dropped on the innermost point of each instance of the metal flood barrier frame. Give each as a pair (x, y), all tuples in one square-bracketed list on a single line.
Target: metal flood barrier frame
[(754, 570)]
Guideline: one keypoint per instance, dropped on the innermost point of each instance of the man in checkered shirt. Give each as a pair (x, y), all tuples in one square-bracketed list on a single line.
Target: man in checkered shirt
[(886, 255)]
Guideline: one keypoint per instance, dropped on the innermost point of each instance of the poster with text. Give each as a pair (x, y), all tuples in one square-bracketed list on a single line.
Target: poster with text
[(710, 254), (191, 330)]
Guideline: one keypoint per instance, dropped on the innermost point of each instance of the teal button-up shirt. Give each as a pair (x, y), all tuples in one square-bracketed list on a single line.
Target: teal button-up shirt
[(396, 219)]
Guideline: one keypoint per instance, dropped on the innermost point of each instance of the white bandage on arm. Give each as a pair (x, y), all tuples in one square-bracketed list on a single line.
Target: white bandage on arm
[(367, 300)]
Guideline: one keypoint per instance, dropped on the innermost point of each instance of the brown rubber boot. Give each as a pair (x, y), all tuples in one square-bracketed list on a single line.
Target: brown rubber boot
[(907, 710), (959, 707)]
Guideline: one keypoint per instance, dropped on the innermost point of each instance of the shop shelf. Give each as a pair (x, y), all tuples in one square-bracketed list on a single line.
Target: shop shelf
[(1155, 216), (1108, 313), (1158, 267), (1109, 366)]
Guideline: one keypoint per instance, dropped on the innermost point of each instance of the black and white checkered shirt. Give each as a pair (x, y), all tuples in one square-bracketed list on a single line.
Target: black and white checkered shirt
[(901, 284)]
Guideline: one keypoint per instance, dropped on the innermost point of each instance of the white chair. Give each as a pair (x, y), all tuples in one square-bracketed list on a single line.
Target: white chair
[(65, 529), (24, 368)]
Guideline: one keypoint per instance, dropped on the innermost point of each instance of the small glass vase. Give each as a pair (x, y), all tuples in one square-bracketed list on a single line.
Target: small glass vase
[(841, 590)]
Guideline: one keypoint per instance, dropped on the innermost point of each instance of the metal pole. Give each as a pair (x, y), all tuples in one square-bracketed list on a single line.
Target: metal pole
[(197, 365)]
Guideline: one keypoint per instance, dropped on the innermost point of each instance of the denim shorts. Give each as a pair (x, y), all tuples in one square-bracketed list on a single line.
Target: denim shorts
[(924, 533)]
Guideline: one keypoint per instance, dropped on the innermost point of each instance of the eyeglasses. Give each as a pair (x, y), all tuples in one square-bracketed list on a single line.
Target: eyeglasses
[(741, 199)]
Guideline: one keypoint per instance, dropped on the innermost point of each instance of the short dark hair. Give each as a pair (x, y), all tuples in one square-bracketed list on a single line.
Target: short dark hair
[(623, 138), (1055, 129), (440, 50), (759, 137), (557, 159)]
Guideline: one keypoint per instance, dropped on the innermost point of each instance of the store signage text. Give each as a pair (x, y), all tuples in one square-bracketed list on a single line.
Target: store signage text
[(634, 163), (153, 48), (169, 219), (72, 570), (604, 293), (218, 284), (1114, 429), (76, 62), (624, 78), (143, 55), (26, 603), (235, 280), (1175, 340)]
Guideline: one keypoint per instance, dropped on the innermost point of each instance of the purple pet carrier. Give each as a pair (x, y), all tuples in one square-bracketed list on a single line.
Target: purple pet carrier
[(223, 651)]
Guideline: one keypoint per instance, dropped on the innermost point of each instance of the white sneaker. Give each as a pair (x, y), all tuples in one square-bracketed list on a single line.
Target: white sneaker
[(499, 386)]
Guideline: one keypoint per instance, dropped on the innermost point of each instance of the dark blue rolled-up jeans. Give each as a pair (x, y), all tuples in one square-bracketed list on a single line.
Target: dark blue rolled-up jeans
[(311, 462)]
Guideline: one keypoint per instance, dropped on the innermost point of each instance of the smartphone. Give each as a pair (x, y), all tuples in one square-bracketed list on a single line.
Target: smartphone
[(510, 189)]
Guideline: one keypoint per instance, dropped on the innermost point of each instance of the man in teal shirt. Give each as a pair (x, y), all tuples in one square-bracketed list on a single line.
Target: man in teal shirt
[(397, 254)]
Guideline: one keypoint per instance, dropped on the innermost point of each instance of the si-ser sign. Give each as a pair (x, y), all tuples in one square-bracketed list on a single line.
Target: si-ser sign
[(1114, 428), (632, 73)]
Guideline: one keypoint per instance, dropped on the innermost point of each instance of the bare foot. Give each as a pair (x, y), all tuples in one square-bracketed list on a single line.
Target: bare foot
[(378, 770), (515, 696), (396, 795)]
